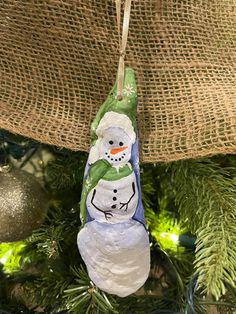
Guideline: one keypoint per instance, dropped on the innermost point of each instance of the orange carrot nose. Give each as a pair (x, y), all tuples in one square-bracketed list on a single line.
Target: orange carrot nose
[(118, 150)]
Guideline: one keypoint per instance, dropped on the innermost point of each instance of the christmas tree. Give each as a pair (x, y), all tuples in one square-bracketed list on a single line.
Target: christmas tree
[(189, 210), (59, 59)]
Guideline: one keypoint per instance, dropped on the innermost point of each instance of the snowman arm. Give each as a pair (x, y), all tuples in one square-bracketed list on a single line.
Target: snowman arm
[(94, 193), (127, 203), (95, 173), (107, 213)]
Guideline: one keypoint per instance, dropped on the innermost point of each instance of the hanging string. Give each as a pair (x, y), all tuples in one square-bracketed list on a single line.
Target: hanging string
[(118, 16), (122, 43)]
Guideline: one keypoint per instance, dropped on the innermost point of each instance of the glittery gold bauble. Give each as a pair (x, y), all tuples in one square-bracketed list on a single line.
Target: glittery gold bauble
[(23, 204)]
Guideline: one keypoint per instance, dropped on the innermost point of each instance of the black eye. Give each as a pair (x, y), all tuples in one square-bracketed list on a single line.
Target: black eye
[(111, 142), (121, 143)]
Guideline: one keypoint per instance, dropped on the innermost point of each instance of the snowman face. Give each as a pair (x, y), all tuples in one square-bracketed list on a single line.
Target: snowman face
[(115, 146)]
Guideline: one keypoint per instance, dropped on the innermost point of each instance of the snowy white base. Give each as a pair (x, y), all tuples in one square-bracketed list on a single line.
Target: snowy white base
[(117, 256)]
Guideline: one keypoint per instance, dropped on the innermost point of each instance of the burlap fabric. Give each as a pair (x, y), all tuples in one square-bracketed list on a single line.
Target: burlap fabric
[(59, 60)]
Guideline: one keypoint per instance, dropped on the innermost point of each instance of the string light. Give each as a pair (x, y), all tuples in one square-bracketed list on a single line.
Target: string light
[(170, 236)]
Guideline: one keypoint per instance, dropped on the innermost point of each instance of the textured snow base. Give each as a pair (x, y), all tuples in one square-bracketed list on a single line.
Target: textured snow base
[(117, 256)]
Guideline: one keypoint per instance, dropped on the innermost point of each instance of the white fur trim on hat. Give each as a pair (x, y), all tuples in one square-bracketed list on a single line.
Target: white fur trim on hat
[(119, 120), (94, 152)]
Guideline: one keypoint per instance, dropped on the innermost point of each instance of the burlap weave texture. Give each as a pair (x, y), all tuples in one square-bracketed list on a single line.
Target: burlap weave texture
[(59, 58)]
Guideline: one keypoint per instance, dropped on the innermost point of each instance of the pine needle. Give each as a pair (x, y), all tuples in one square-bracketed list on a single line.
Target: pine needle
[(206, 196)]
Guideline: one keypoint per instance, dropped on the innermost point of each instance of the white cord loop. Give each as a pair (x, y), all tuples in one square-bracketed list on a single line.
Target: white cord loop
[(122, 42)]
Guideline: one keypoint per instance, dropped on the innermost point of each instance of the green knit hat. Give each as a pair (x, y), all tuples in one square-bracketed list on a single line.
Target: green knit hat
[(118, 113)]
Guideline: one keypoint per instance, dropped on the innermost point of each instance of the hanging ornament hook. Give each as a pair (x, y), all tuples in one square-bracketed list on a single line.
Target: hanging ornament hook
[(122, 43)]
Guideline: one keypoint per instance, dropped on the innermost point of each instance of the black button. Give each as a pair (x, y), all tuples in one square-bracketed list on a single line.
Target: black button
[(113, 206), (115, 191), (114, 198)]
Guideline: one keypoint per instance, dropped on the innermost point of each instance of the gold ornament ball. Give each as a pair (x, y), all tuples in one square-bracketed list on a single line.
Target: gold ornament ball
[(23, 205)]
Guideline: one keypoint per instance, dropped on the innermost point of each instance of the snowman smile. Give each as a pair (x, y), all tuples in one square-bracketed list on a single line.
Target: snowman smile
[(115, 158)]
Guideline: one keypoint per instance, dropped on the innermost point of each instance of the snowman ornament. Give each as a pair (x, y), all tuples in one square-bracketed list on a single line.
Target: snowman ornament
[(113, 241)]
